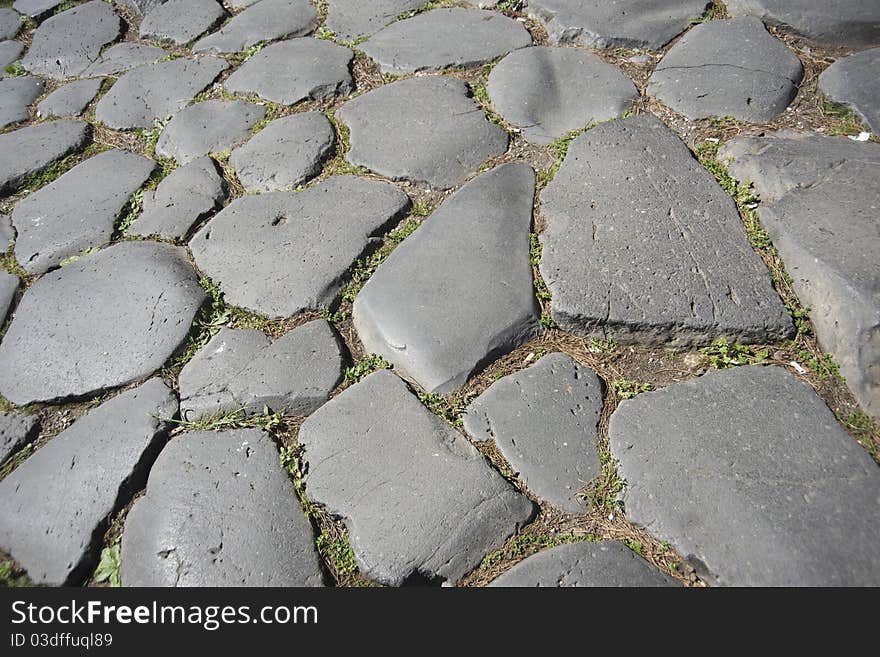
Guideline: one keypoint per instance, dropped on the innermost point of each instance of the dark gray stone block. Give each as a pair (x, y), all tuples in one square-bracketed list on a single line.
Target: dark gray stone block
[(16, 96), (9, 52), (124, 57), (855, 81), (353, 19), (30, 150), (266, 20), (181, 21), (69, 100), (16, 429), (8, 286), (10, 23)]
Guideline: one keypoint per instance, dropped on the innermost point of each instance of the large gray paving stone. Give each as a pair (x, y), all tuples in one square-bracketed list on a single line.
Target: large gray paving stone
[(286, 153), (622, 23), (458, 292), (181, 21), (219, 511), (306, 242), (103, 321), (747, 473), (141, 7), (156, 91), (424, 129), (7, 233), (548, 92), (78, 210), (186, 195), (9, 52), (604, 564), (124, 57), (35, 8), (353, 19), (16, 429), (56, 504), (642, 245), (295, 70), (420, 502), (69, 100), (212, 126), (544, 420), (16, 96), (10, 23), (266, 20), (30, 150), (65, 44), (728, 68), (8, 286), (819, 203), (855, 81), (441, 38)]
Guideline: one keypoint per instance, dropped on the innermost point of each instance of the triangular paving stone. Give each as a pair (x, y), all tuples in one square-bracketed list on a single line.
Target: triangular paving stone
[(424, 129), (747, 473), (642, 245), (124, 57), (30, 150), (550, 91), (603, 564), (458, 292), (16, 95), (306, 242), (156, 91), (219, 511), (35, 8), (8, 286), (544, 421), (10, 23), (65, 44), (103, 321), (78, 210), (419, 501), (286, 153), (622, 23), (9, 52), (185, 196), (855, 81), (181, 21), (352, 19), (69, 100), (820, 198), (441, 38), (266, 20), (56, 504), (244, 369), (728, 68), (211, 126), (16, 429), (295, 70)]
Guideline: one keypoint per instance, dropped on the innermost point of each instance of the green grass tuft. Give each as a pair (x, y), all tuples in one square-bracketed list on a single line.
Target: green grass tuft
[(367, 365)]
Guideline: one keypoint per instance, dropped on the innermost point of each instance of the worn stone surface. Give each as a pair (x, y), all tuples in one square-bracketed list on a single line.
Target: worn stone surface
[(642, 245), (56, 502), (708, 478), (728, 68), (16, 429), (603, 564), (295, 70), (420, 502), (69, 100), (423, 129), (353, 19), (124, 57), (286, 153), (78, 210), (219, 511), (35, 8), (10, 23), (8, 286), (819, 204), (185, 196), (156, 91), (7, 234), (16, 96), (544, 420), (141, 7), (103, 321), (9, 52), (855, 81), (480, 234), (298, 269), (266, 20), (181, 21), (30, 150), (212, 126), (548, 92)]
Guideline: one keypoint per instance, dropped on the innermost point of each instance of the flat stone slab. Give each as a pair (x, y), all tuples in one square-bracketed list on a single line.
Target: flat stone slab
[(747, 473), (8, 286), (544, 421), (30, 150), (728, 68), (9, 52), (35, 8), (16, 96), (212, 126), (642, 245), (623, 23), (819, 200), (56, 503), (423, 129), (471, 258), (352, 19), (219, 511), (78, 210), (103, 321), (185, 196), (156, 91), (244, 369), (181, 21), (69, 100), (855, 81), (295, 70), (7, 233), (16, 429), (141, 7), (124, 57), (266, 20), (440, 38), (10, 23), (65, 44), (548, 92), (419, 501), (286, 153), (603, 564)]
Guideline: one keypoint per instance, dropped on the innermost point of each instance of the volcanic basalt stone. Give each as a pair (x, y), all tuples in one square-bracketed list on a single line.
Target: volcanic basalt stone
[(181, 21), (16, 429), (7, 233), (855, 81), (16, 96), (10, 23), (31, 150), (141, 7), (35, 8), (124, 57), (266, 20), (9, 52), (8, 286), (353, 19), (69, 100)]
